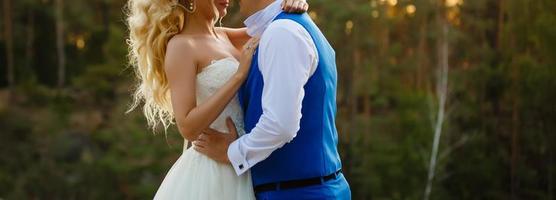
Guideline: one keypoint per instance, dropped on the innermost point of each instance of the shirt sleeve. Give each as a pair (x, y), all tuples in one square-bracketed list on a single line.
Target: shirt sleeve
[(287, 58)]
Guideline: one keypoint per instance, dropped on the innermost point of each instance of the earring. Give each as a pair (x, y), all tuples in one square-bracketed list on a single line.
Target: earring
[(191, 6)]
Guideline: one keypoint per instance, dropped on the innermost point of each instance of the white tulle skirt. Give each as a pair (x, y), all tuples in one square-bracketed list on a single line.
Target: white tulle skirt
[(195, 176)]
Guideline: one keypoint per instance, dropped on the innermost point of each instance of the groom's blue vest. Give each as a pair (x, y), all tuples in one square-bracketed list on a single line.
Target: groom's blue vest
[(313, 152)]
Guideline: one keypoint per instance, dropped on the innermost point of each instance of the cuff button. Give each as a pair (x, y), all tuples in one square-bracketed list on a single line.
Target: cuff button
[(241, 166)]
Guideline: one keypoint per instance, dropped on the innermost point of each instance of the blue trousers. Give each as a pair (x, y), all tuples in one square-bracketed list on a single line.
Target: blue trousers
[(336, 189)]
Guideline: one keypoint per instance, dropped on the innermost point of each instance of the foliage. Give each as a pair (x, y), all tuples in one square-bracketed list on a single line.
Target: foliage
[(77, 142)]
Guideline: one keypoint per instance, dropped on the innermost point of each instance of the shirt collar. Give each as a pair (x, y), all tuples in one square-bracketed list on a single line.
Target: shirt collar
[(257, 23)]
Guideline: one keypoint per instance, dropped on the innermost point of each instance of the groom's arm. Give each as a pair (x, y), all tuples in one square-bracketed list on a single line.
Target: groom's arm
[(287, 58)]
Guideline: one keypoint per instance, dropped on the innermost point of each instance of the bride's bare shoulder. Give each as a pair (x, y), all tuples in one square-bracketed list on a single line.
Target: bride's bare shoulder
[(182, 43), (180, 50)]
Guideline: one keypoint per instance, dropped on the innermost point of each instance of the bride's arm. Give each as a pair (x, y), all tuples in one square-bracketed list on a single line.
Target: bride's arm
[(239, 36), (181, 71)]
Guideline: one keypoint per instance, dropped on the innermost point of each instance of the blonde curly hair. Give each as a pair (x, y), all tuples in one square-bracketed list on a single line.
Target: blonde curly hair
[(152, 23)]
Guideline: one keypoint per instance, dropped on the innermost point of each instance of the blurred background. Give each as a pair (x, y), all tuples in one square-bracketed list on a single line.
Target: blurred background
[(438, 99)]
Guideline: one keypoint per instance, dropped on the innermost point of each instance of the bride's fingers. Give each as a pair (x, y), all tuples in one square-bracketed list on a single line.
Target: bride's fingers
[(289, 5), (255, 41), (284, 5), (199, 144), (298, 6), (248, 45), (202, 137), (304, 7), (202, 150), (210, 131), (232, 127), (251, 44)]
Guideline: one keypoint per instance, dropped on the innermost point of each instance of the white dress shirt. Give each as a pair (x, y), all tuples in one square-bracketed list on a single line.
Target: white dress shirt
[(287, 58)]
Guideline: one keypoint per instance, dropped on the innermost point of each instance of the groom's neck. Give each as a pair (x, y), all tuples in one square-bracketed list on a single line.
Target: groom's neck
[(261, 4)]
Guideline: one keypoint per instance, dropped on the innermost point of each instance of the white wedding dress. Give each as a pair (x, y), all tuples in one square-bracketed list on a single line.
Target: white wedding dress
[(194, 176)]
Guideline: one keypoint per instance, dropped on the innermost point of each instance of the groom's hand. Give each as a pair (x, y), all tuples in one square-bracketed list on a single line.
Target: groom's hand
[(214, 144)]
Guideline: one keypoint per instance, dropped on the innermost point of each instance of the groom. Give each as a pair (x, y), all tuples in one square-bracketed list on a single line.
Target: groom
[(289, 100)]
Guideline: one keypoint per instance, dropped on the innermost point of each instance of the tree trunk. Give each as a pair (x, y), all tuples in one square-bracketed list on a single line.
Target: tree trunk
[(30, 45), (441, 94), (550, 170), (421, 48), (514, 186), (60, 42), (500, 24), (8, 27), (515, 142)]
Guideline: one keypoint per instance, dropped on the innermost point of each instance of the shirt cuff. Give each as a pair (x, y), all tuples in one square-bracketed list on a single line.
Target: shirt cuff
[(236, 158)]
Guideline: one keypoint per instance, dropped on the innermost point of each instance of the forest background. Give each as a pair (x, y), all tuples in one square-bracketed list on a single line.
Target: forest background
[(438, 99)]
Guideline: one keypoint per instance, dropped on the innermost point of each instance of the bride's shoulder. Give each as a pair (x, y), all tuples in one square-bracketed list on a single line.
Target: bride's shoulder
[(180, 41), (180, 50), (181, 45)]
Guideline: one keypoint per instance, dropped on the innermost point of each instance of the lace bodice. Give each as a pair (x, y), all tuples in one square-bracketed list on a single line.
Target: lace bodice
[(212, 78)]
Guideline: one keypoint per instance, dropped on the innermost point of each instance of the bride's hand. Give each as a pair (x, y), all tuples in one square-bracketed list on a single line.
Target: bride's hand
[(247, 56), (295, 6)]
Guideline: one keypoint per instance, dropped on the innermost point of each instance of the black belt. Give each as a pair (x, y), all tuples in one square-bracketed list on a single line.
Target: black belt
[(296, 183)]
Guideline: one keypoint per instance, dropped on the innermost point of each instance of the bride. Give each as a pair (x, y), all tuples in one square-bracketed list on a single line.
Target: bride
[(188, 72)]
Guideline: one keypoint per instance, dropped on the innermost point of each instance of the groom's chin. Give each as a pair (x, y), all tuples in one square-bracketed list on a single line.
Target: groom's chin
[(246, 13), (243, 13), (243, 10)]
